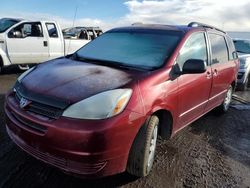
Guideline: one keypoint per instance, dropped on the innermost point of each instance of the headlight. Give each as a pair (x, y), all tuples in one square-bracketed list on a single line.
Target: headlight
[(100, 106), (25, 74)]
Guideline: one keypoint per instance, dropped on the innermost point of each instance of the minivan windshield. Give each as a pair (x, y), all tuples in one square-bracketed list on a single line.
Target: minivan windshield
[(6, 23), (147, 49)]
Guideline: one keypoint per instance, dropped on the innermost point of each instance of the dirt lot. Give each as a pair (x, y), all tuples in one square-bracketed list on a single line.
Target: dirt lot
[(212, 152)]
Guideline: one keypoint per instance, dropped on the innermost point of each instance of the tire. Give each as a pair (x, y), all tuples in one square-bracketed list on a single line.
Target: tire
[(223, 108), (142, 153)]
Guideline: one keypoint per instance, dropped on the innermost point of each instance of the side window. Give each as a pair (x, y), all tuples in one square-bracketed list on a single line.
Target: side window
[(219, 48), (91, 34), (26, 30), (194, 48), (52, 30), (231, 49), (98, 33), (83, 34)]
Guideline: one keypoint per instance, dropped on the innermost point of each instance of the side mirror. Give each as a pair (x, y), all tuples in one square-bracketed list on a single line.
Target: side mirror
[(194, 66), (15, 34), (235, 55)]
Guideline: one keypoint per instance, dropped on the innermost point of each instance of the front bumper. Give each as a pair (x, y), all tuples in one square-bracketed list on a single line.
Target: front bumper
[(83, 147)]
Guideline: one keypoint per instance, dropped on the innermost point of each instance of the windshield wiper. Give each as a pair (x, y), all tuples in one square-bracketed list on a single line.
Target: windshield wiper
[(111, 63)]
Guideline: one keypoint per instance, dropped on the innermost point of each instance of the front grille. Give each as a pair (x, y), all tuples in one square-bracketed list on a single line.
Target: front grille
[(41, 109), (29, 124)]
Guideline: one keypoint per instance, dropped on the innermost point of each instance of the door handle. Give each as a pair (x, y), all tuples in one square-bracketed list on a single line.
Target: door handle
[(45, 43), (215, 72), (208, 75)]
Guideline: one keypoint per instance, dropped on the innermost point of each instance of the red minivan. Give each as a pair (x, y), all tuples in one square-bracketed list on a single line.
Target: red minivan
[(99, 111)]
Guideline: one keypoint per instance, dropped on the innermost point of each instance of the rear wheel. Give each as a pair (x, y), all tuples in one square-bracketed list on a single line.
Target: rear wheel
[(142, 153), (223, 108)]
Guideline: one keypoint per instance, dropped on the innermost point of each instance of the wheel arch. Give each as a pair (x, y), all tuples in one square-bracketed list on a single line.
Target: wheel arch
[(165, 123), (234, 84)]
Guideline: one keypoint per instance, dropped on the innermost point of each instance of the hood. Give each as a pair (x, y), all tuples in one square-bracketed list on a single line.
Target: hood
[(244, 61), (73, 81), (243, 56)]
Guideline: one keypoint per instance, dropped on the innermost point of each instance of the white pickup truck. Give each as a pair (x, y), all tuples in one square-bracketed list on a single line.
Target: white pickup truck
[(25, 42)]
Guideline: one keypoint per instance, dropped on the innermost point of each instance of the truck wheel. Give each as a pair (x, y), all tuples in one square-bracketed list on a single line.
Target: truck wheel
[(223, 108), (142, 153)]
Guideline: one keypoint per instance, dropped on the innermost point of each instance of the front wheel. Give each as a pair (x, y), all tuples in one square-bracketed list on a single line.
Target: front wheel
[(142, 153), (223, 108)]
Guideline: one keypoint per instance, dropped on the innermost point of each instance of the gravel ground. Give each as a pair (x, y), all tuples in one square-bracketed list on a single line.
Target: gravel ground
[(212, 152)]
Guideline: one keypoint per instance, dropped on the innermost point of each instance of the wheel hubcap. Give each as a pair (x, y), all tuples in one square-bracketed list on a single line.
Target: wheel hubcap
[(152, 148), (228, 98)]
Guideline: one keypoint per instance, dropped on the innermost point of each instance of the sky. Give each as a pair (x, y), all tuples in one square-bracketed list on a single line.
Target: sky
[(230, 15)]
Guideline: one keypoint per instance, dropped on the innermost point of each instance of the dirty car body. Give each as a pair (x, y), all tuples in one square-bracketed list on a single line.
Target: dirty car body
[(82, 113)]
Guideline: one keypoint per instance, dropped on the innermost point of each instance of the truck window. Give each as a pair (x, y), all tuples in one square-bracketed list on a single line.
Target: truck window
[(83, 34), (26, 30), (52, 30), (194, 48), (98, 33), (91, 34), (219, 48)]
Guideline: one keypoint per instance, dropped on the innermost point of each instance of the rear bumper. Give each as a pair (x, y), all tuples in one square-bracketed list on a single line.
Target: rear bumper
[(85, 148)]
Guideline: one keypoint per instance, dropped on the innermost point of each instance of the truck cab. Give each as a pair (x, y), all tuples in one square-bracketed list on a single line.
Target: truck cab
[(25, 42)]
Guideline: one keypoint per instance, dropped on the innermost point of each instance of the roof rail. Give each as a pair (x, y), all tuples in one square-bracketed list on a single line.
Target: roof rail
[(198, 24)]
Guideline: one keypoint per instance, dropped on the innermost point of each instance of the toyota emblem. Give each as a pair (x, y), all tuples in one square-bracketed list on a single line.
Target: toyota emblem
[(24, 103)]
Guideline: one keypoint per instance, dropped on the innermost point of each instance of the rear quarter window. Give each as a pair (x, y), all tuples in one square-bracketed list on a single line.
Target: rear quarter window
[(219, 48), (231, 49)]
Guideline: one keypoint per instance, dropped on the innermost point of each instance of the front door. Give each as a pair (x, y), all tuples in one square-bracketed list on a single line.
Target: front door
[(194, 89), (26, 44), (55, 42)]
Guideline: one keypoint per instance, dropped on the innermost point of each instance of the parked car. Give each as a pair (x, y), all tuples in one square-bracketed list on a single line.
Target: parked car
[(86, 33), (99, 111), (25, 42), (243, 48)]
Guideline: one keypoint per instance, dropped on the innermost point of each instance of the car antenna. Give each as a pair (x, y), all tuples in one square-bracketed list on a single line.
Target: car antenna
[(72, 27)]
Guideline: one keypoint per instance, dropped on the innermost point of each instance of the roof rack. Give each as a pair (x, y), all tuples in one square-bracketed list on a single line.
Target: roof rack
[(198, 24)]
